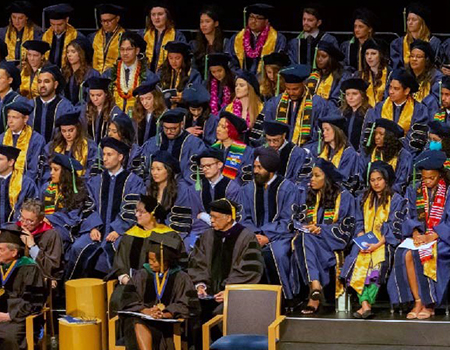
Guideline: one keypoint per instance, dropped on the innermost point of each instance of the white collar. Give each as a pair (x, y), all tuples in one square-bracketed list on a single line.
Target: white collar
[(45, 103), (132, 66), (271, 180), (400, 104), (314, 33), (148, 117), (5, 177), (213, 184), (17, 133), (283, 145), (117, 173)]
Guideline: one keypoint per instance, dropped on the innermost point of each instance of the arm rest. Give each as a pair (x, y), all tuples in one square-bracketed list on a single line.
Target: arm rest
[(274, 332), (206, 328)]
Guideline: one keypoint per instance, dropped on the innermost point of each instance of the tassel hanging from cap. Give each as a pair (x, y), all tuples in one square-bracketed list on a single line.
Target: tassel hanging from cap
[(278, 84), (161, 258), (205, 73), (158, 131), (74, 182), (440, 93), (368, 173), (198, 184), (314, 66), (404, 20), (319, 143), (369, 140), (245, 17)]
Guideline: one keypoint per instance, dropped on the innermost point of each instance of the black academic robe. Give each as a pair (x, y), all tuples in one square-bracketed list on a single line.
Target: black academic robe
[(23, 296)]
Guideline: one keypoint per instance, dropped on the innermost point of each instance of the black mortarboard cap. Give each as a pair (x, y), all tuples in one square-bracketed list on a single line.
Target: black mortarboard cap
[(125, 126), (59, 11), (24, 7), (249, 78), (9, 151), (37, 45), (445, 82), (430, 160), (86, 46), (264, 10), (211, 153), (218, 59), (135, 39), (273, 128), (57, 74), (406, 79), (391, 126), (354, 83), (68, 119), (196, 95), (148, 86), (98, 83), (277, 58), (295, 73), (110, 8), (423, 46), (224, 206), (421, 10), (178, 47), (438, 128), (13, 72), (331, 50), (67, 162), (175, 115), (366, 16), (376, 44), (238, 122), (116, 145), (330, 171), (9, 235), (20, 105), (168, 159), (335, 119)]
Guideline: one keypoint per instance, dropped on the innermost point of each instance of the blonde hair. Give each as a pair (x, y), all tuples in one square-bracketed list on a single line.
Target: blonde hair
[(268, 88), (424, 32)]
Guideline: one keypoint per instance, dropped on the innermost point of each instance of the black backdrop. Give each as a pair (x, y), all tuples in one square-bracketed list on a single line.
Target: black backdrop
[(337, 14)]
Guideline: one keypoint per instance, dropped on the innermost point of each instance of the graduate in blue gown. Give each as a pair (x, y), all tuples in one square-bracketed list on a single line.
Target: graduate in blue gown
[(301, 49), (422, 274), (49, 105), (212, 186), (364, 22), (442, 114), (238, 156), (15, 188), (115, 193), (21, 135), (293, 106), (70, 139), (333, 146), (385, 144), (257, 39), (199, 120), (379, 211), (149, 106), (417, 23), (401, 107), (173, 139), (325, 224), (9, 91), (295, 161), (267, 210)]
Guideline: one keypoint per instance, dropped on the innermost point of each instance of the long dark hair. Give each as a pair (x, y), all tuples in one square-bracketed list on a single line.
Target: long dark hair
[(67, 70), (91, 111), (167, 73), (77, 147), (70, 199), (391, 146), (334, 67), (229, 81), (372, 195), (201, 120), (426, 76), (330, 192), (340, 140), (139, 112), (367, 72), (202, 43), (170, 192)]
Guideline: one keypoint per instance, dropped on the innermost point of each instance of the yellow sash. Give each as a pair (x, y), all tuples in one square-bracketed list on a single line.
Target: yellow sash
[(387, 112), (392, 162), (375, 95), (336, 158), (430, 265), (424, 91), (71, 34), (22, 143), (27, 88), (137, 231), (406, 51), (268, 48), (323, 88), (149, 37), (15, 187), (82, 158), (11, 38), (105, 55), (373, 221)]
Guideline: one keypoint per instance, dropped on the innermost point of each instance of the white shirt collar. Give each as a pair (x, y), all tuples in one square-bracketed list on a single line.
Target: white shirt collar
[(400, 104), (271, 180), (148, 117), (213, 184), (132, 66), (116, 174), (17, 133), (282, 146), (5, 177), (314, 33), (44, 102)]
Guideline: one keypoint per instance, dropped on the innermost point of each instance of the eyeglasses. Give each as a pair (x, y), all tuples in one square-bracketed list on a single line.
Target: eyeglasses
[(108, 21), (256, 18), (27, 221), (207, 166)]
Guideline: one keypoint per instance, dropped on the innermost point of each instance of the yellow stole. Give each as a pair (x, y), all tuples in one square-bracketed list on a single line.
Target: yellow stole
[(375, 95), (268, 48), (82, 158), (137, 231), (323, 88), (22, 143), (149, 37), (406, 51), (15, 187), (105, 55), (392, 162), (336, 158), (71, 34), (28, 88), (373, 220), (424, 91), (11, 38), (387, 112)]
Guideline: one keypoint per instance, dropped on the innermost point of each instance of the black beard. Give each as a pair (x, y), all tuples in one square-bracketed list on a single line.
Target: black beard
[(262, 179)]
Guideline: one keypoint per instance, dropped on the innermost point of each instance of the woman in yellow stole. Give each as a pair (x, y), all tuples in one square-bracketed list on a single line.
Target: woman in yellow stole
[(377, 215), (420, 272), (33, 61)]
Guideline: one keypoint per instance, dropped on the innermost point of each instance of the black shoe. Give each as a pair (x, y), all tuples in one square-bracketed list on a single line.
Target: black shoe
[(367, 314), (316, 294), (357, 315)]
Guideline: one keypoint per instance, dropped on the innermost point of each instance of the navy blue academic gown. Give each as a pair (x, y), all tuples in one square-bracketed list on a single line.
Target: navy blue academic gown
[(9, 98), (8, 212), (302, 51), (396, 51)]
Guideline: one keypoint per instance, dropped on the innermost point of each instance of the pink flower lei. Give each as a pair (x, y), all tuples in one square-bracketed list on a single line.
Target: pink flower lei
[(256, 52), (237, 110), (214, 102)]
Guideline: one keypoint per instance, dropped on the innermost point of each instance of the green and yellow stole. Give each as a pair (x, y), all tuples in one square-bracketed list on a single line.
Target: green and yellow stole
[(52, 199), (330, 215)]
